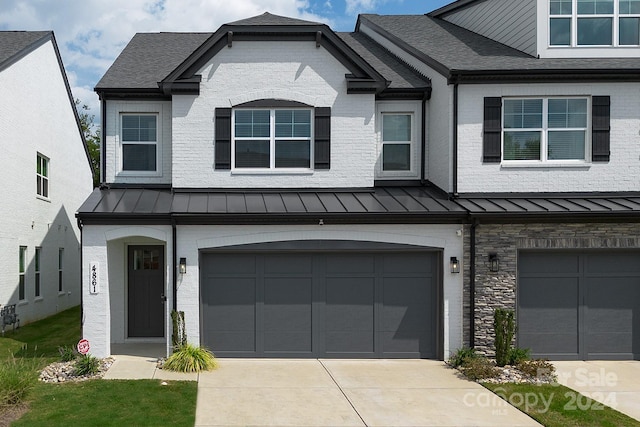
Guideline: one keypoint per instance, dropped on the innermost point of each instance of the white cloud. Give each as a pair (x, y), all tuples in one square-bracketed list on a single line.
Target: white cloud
[(91, 33), (353, 7)]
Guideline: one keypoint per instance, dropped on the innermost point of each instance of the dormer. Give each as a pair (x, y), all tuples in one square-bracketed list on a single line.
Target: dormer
[(553, 28)]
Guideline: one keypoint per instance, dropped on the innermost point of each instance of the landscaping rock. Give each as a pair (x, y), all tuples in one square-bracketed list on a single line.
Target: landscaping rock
[(61, 372)]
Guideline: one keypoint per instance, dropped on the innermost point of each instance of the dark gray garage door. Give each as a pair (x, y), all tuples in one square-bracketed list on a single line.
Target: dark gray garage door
[(580, 305), (319, 304)]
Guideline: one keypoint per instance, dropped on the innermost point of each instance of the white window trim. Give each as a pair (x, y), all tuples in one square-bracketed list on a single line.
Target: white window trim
[(157, 143), (37, 265), (399, 108), (544, 161), (615, 16), (272, 170), (22, 275), (44, 177)]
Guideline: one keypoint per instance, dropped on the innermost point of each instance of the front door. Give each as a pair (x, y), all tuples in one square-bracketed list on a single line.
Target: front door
[(146, 291)]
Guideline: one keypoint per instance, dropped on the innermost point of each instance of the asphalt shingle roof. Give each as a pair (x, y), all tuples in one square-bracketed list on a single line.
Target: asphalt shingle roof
[(13, 42), (149, 58), (269, 19), (456, 48), (394, 71)]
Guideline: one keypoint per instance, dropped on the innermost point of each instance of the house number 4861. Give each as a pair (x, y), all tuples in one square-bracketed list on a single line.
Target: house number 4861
[(94, 277)]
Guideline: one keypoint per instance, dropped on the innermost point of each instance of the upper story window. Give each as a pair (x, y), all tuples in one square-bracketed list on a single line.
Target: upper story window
[(545, 129), (594, 22), (397, 135), (272, 139), (22, 269), (42, 176), (139, 142)]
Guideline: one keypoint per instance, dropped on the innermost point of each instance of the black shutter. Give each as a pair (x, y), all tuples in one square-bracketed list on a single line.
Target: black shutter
[(322, 138), (223, 138), (492, 130), (600, 128)]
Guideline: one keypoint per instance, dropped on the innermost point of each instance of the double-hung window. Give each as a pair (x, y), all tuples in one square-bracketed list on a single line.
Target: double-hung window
[(396, 141), (272, 139), (42, 176), (60, 269), (37, 277), (22, 270), (594, 22), (139, 142), (545, 129)]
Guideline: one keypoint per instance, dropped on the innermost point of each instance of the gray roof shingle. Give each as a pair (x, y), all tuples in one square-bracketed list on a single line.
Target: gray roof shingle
[(457, 49), (14, 42), (149, 58), (270, 19), (398, 74)]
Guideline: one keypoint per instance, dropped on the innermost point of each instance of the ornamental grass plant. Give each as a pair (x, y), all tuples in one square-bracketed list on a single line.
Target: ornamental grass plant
[(189, 358)]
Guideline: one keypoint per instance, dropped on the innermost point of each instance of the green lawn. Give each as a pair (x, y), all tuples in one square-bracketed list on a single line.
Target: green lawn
[(112, 403), (555, 405), (94, 402)]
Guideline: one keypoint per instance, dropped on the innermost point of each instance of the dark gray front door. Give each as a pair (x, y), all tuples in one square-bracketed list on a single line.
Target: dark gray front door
[(146, 291), (580, 305), (319, 304)]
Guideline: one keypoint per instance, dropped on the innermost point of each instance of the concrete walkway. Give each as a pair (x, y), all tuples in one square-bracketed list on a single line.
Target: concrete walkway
[(613, 383), (285, 392)]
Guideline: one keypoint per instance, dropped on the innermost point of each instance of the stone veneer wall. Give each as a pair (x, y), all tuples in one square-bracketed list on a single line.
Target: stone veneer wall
[(498, 290)]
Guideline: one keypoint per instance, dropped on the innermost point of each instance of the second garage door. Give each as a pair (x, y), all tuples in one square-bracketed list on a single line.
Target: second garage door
[(579, 305), (319, 304)]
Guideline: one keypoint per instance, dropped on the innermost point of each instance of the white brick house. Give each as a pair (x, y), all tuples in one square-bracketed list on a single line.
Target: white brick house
[(302, 193), (46, 174)]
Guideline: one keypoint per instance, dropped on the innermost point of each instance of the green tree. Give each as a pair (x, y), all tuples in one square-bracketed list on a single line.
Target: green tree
[(92, 136)]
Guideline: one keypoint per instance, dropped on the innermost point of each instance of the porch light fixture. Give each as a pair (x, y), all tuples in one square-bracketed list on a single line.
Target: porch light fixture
[(183, 266), (494, 264), (454, 264)]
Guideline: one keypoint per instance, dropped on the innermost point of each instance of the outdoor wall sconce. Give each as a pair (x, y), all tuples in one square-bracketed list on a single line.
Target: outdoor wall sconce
[(454, 264), (183, 266), (494, 264)]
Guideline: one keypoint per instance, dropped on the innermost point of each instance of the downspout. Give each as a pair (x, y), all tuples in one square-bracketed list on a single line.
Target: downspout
[(81, 281), (174, 263), (472, 285), (423, 142), (103, 142), (455, 141)]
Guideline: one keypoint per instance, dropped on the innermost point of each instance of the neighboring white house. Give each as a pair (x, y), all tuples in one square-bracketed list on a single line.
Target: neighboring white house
[(304, 193), (46, 175)]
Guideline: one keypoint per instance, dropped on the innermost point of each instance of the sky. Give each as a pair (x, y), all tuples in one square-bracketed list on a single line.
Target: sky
[(91, 33)]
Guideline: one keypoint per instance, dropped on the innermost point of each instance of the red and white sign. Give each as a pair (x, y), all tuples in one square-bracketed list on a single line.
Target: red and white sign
[(83, 346)]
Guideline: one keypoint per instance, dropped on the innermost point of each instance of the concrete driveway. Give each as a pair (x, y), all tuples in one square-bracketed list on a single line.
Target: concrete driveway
[(614, 383), (281, 392)]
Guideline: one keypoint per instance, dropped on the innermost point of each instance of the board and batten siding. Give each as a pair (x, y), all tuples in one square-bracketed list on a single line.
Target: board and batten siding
[(509, 22)]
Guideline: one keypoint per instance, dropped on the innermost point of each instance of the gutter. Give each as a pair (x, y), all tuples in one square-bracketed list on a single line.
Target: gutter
[(103, 142), (472, 285), (454, 154), (423, 142), (81, 281), (174, 265)]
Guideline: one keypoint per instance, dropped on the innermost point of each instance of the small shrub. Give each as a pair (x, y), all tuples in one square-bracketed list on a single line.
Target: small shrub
[(87, 365), (462, 356), (517, 355), (504, 327), (479, 368), (67, 353), (538, 368), (17, 378), (190, 358)]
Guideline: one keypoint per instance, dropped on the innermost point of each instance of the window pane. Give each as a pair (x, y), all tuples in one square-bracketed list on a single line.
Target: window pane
[(594, 31), (629, 31), (522, 113), (293, 154), (252, 123), (293, 123), (521, 145), (560, 7), (252, 154), (45, 167), (139, 157), (592, 7), (37, 259), (45, 188), (628, 7), (396, 157), (566, 145), (567, 113), (396, 127), (138, 128), (21, 295), (22, 260), (560, 32)]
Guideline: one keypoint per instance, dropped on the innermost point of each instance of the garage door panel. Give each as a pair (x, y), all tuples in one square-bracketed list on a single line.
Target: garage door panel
[(613, 264), (349, 304), (349, 264), (407, 263), (545, 344), (287, 341), (345, 342), (416, 342), (287, 263), (231, 303), (287, 304), (235, 341), (541, 263), (231, 264)]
